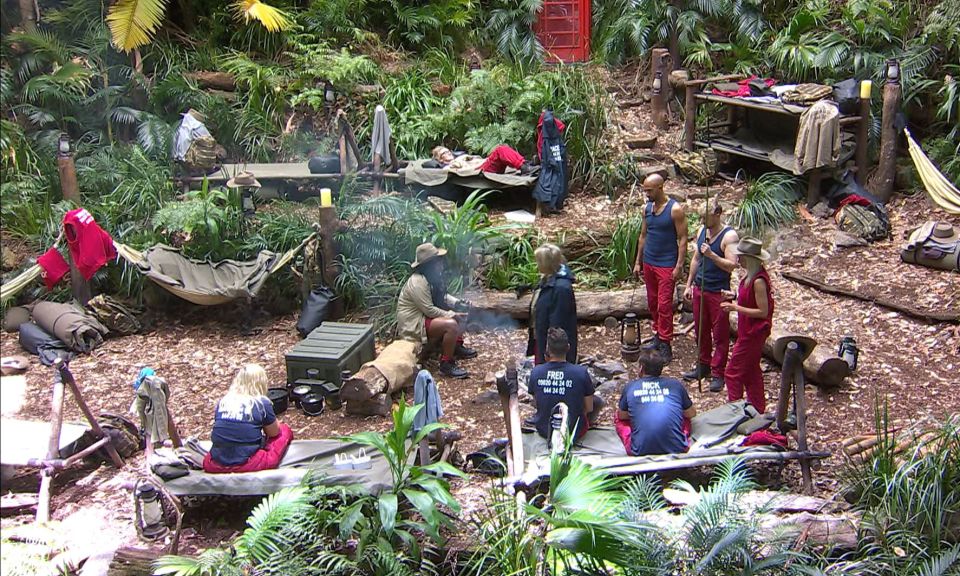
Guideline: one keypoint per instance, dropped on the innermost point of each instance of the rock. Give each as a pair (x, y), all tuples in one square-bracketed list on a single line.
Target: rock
[(8, 260), (441, 205), (843, 240), (644, 171), (643, 140), (487, 397), (821, 210), (609, 369), (607, 389)]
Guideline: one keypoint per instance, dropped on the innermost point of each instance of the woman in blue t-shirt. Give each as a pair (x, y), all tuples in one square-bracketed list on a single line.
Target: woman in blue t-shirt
[(246, 433)]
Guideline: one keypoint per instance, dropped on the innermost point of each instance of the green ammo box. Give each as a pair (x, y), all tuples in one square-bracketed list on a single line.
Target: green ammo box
[(331, 348)]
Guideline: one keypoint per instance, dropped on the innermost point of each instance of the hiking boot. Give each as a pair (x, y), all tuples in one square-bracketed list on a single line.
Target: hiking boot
[(666, 351), (450, 369), (789, 423), (716, 384), (653, 344), (464, 353), (697, 372)]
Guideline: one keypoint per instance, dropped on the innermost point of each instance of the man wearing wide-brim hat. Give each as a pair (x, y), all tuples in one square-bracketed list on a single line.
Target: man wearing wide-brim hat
[(754, 307), (426, 312)]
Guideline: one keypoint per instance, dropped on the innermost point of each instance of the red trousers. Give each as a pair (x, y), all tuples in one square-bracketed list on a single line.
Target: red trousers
[(266, 458), (660, 287), (713, 329), (501, 157), (743, 371), (623, 431)]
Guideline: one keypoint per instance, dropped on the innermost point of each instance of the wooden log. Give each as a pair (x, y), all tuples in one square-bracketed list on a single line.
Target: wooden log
[(658, 81), (578, 243), (213, 79), (930, 317), (394, 369), (379, 405), (882, 183), (822, 367), (591, 306)]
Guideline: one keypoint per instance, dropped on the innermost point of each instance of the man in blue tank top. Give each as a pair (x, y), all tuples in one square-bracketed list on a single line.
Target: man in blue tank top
[(713, 261), (661, 250)]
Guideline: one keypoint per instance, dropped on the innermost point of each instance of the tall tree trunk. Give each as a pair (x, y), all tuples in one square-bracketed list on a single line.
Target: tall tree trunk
[(28, 15)]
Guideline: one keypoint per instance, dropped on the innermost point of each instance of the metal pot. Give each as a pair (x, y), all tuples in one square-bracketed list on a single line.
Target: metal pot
[(280, 399), (312, 404), (299, 391)]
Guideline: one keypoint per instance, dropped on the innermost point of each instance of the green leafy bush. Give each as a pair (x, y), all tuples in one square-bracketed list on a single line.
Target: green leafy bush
[(768, 203)]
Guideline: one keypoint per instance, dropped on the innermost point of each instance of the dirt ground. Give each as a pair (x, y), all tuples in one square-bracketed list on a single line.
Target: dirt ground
[(911, 365)]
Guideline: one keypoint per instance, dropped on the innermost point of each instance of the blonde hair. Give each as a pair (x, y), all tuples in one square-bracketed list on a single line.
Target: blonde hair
[(250, 381), (549, 258), (438, 152)]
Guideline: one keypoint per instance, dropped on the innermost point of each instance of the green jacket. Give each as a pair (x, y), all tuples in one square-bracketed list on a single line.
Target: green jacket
[(416, 305)]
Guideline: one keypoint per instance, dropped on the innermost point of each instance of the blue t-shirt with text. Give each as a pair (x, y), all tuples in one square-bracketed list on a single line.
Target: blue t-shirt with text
[(238, 428), (656, 408), (556, 382)]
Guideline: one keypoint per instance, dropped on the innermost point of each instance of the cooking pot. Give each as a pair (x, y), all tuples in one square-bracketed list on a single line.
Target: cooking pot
[(299, 391), (280, 399), (312, 404)]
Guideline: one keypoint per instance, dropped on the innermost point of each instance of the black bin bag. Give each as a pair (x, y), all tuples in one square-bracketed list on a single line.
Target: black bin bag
[(316, 308)]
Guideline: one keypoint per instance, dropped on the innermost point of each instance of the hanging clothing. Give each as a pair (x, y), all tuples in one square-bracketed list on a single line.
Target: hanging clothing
[(818, 138), (425, 392), (151, 405), (551, 188), (743, 373), (380, 138), (54, 267), (90, 247)]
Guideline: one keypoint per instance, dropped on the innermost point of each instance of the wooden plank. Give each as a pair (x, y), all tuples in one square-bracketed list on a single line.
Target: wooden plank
[(745, 104), (723, 78)]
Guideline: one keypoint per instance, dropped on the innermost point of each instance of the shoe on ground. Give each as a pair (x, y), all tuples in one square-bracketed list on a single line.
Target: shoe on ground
[(666, 351), (653, 344), (716, 384), (464, 353), (697, 372), (451, 370)]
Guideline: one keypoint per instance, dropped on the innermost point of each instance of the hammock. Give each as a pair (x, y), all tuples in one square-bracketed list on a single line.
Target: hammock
[(941, 190), (203, 282), (14, 286)]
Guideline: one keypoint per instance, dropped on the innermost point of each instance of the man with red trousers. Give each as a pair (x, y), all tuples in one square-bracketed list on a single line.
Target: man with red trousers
[(713, 261), (661, 249)]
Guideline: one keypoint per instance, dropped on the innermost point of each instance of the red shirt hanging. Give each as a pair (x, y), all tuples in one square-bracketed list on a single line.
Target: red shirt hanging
[(90, 247), (54, 267)]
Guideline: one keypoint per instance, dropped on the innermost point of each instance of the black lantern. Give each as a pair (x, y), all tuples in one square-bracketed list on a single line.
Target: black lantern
[(63, 145), (891, 70), (630, 337), (329, 94), (658, 83), (849, 352), (149, 512)]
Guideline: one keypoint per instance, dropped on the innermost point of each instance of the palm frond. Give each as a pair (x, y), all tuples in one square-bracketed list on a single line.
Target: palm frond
[(133, 22)]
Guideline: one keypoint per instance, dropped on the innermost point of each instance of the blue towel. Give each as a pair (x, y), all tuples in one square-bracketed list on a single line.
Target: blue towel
[(425, 392)]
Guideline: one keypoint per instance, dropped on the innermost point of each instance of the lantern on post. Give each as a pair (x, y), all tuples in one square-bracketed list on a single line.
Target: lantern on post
[(329, 94), (891, 71), (630, 338)]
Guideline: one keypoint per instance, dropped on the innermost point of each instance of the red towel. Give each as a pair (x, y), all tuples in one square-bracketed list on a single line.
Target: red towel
[(90, 247), (744, 89), (54, 267), (765, 438)]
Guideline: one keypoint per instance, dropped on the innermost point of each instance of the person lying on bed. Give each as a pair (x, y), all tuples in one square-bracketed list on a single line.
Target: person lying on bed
[(247, 436), (557, 381), (654, 412), (497, 161)]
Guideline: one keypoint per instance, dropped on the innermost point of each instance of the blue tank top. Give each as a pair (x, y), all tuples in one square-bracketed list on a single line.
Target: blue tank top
[(709, 275), (660, 248)]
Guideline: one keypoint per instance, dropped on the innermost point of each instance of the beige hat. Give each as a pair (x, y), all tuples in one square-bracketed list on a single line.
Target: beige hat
[(243, 180), (751, 247), (426, 252)]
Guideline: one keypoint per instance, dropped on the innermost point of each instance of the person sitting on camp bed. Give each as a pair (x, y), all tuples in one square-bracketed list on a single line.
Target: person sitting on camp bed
[(558, 381), (499, 159), (654, 412), (426, 312), (247, 436)]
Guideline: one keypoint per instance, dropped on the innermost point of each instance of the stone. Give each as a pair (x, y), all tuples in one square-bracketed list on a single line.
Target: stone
[(8, 260), (609, 369), (642, 140), (843, 240), (487, 397), (821, 210), (607, 389)]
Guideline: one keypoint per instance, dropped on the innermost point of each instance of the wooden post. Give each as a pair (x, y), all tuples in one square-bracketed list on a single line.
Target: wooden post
[(800, 401), (658, 98), (71, 191), (329, 224), (863, 137), (689, 116), (53, 448), (66, 376), (882, 183), (813, 187)]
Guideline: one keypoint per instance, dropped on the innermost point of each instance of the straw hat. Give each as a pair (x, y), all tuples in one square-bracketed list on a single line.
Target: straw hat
[(426, 252), (243, 180), (751, 247)]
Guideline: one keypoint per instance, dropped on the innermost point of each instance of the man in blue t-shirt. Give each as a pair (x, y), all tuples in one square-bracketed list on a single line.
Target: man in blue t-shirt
[(653, 411), (557, 380)]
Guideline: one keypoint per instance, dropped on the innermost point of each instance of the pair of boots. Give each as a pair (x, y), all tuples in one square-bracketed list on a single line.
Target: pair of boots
[(702, 370), (449, 368), (662, 347)]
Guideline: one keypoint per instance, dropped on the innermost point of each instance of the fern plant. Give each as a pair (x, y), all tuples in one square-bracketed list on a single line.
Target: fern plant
[(768, 203)]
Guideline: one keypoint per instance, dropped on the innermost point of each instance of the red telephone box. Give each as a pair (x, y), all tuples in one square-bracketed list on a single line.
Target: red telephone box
[(563, 27)]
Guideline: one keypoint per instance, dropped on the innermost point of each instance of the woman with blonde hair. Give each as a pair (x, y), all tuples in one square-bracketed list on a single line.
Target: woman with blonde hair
[(553, 304), (246, 433)]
